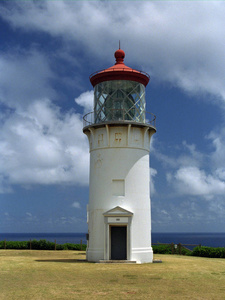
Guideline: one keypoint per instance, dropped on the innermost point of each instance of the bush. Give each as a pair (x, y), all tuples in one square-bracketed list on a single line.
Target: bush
[(14, 245), (59, 247), (40, 245), (185, 251), (209, 252), (69, 246), (167, 249), (162, 249)]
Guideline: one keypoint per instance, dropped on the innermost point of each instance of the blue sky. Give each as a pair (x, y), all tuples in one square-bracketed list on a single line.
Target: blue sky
[(47, 52)]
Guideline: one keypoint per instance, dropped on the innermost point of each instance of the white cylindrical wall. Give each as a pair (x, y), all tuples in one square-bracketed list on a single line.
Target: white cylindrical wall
[(119, 176)]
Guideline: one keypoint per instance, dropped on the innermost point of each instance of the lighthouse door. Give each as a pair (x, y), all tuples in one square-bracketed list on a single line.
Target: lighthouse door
[(118, 242)]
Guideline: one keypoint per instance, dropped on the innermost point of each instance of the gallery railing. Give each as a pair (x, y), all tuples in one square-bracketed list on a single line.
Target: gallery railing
[(118, 115)]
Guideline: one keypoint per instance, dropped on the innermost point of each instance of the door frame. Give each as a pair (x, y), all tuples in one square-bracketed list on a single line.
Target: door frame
[(117, 216)]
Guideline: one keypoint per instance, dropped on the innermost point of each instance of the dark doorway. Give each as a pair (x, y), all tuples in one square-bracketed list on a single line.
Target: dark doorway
[(118, 242)]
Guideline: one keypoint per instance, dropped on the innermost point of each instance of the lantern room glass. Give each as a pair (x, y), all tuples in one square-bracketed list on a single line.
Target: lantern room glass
[(119, 100)]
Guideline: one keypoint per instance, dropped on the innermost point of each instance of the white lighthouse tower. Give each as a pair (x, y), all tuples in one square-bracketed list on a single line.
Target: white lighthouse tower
[(119, 132)]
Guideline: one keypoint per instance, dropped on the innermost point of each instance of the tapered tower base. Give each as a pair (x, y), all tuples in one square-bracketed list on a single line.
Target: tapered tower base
[(119, 221)]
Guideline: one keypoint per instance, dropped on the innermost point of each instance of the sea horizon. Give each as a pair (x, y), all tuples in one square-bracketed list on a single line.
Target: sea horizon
[(65, 232), (211, 239)]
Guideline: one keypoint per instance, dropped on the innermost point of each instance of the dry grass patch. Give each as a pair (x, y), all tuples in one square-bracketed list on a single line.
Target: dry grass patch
[(26, 274)]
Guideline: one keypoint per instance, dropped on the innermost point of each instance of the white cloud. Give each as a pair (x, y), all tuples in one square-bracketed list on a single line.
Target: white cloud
[(76, 205), (39, 143), (193, 181), (178, 42), (86, 100), (43, 146), (193, 156), (220, 172), (194, 173), (189, 157), (30, 218), (218, 143), (166, 160), (153, 173)]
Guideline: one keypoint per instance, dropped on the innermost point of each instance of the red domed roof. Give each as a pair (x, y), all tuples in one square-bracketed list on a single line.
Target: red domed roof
[(119, 72)]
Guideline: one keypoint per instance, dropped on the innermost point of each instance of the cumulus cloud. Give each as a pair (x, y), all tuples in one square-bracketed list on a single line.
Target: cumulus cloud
[(39, 143), (193, 181), (86, 100), (195, 173), (43, 146), (181, 43)]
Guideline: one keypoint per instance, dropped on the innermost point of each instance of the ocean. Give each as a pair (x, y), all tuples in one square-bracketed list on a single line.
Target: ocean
[(205, 239)]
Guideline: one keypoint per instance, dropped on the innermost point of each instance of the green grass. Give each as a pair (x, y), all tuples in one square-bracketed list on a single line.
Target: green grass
[(26, 274)]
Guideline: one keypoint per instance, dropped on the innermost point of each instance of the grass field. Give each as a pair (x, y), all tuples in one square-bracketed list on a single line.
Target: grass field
[(26, 274)]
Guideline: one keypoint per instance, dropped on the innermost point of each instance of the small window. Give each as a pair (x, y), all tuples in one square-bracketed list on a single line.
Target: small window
[(118, 187)]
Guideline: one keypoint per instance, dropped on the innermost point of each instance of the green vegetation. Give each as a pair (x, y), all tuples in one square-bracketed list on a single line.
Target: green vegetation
[(39, 245), (209, 252), (201, 251), (157, 249), (168, 249), (69, 246), (36, 275), (162, 249)]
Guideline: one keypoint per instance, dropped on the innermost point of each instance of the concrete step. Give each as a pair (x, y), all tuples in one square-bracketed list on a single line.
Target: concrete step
[(157, 261), (117, 261)]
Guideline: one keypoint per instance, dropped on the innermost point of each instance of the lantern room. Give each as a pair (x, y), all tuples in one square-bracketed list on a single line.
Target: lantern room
[(119, 94)]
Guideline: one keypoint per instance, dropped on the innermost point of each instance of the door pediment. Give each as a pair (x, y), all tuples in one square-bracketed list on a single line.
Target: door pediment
[(118, 211)]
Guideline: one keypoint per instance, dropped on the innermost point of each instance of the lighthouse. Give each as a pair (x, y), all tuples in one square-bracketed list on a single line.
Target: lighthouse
[(119, 131)]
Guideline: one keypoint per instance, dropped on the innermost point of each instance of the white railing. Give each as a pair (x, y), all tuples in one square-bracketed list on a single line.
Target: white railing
[(117, 115)]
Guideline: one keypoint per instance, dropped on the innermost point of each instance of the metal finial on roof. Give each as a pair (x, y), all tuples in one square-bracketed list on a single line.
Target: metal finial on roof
[(119, 56), (119, 44)]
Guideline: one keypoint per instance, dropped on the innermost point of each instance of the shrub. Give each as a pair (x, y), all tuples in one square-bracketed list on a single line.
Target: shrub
[(162, 249), (59, 247), (40, 245), (1, 244), (167, 249), (69, 246), (14, 245), (209, 252), (185, 251)]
